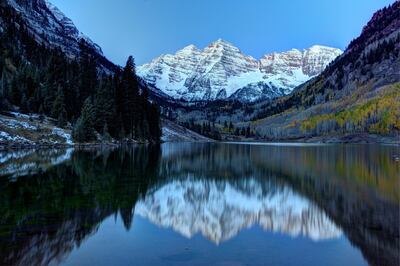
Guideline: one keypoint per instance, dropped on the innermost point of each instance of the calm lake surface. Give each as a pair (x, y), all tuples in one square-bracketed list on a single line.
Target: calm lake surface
[(201, 204)]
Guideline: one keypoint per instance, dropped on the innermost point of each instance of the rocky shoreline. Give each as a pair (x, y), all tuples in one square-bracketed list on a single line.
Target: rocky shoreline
[(354, 139), (21, 146)]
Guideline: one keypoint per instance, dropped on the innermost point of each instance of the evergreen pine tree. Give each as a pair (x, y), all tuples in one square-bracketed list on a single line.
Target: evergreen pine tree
[(130, 89), (154, 123), (145, 105), (104, 105), (88, 73), (58, 111), (84, 128)]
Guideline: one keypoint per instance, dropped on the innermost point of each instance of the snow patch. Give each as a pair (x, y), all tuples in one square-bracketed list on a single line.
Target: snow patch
[(5, 137), (63, 134), (16, 124)]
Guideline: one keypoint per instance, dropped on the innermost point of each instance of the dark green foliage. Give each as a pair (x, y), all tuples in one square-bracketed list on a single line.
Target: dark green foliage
[(130, 103), (58, 111), (88, 74), (105, 106), (86, 190), (138, 118), (206, 129), (245, 132), (154, 123), (84, 128), (39, 79)]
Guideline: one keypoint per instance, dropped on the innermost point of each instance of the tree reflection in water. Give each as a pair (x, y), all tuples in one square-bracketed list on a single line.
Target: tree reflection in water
[(216, 189)]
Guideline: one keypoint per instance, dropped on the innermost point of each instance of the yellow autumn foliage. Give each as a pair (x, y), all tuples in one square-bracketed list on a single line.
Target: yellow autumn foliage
[(379, 115)]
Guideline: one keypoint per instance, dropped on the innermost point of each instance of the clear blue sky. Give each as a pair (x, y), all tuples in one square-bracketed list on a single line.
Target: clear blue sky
[(149, 28)]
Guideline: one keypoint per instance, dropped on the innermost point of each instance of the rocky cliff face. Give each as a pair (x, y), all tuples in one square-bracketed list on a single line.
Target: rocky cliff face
[(51, 27), (222, 71)]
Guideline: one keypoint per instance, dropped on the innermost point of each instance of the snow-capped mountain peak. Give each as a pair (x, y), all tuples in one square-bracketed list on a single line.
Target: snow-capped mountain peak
[(188, 50), (222, 45), (221, 71)]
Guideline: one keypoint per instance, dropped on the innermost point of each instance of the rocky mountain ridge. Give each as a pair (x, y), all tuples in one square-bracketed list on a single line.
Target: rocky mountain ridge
[(222, 71), (52, 28)]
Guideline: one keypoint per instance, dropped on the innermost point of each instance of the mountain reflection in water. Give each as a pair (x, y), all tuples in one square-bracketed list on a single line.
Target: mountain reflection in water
[(218, 190), (219, 209)]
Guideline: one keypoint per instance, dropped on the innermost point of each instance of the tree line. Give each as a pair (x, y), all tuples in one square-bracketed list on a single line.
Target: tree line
[(38, 79), (206, 129)]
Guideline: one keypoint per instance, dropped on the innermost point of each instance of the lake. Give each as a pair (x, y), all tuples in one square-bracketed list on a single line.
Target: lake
[(201, 204)]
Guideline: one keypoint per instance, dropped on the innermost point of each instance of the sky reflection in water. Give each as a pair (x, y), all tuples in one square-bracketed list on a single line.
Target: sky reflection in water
[(201, 204)]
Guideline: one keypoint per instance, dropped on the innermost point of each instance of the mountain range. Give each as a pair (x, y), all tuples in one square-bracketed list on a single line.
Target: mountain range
[(222, 71)]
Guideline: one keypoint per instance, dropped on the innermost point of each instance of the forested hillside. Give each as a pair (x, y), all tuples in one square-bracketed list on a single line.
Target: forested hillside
[(357, 94), (42, 79)]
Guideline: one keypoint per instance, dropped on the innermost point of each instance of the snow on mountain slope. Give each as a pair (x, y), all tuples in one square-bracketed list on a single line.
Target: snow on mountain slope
[(219, 210), (222, 71), (21, 130), (51, 27)]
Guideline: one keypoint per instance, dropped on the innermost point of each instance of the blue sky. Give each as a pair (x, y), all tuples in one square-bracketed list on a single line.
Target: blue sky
[(149, 28)]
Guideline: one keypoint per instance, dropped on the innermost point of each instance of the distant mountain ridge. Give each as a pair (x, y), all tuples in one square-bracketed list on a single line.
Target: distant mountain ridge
[(222, 71)]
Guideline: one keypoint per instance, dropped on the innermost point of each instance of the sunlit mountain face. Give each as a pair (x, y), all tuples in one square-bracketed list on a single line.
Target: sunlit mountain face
[(222, 71), (204, 196)]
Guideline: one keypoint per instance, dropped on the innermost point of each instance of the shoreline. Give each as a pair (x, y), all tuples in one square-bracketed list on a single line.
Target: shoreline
[(21, 146), (362, 138), (337, 140)]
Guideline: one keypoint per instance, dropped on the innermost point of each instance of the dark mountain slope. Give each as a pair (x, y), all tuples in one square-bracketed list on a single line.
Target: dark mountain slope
[(47, 67), (50, 27)]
